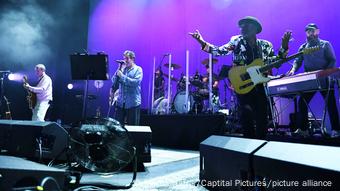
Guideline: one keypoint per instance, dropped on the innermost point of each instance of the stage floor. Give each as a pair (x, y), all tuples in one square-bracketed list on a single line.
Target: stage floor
[(170, 169)]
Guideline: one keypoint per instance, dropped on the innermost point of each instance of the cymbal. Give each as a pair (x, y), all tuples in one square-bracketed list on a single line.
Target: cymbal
[(173, 65), (206, 61), (172, 78)]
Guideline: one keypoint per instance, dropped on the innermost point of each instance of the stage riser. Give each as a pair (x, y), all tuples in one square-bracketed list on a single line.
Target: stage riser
[(183, 131)]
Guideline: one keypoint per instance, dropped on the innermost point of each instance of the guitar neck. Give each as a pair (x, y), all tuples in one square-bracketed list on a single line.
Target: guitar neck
[(279, 62)]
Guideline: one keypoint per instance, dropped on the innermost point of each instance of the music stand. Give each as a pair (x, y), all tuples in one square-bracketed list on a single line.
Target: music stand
[(222, 76), (224, 72), (89, 67)]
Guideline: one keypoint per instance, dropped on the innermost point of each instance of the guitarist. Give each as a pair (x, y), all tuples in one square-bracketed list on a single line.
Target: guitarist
[(246, 48), (43, 91), (319, 60)]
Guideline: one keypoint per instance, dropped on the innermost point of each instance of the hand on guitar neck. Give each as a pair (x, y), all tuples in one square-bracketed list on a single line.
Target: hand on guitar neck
[(31, 96)]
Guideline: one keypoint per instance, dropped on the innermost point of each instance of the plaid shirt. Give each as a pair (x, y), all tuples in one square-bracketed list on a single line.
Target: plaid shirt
[(243, 52)]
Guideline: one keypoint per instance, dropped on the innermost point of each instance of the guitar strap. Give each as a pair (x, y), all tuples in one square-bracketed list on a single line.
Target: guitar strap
[(40, 80)]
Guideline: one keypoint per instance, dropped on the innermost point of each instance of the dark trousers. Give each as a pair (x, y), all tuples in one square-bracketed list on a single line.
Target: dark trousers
[(305, 98), (131, 115), (253, 108)]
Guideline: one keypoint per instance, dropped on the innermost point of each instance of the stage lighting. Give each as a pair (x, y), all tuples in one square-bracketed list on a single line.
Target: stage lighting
[(98, 84), (70, 86), (101, 145), (15, 77), (11, 76)]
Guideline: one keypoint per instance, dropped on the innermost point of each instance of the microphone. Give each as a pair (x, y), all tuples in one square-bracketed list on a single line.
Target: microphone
[(120, 61)]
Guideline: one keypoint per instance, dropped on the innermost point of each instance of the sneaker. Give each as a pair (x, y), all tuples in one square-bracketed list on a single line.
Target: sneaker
[(302, 133), (335, 134)]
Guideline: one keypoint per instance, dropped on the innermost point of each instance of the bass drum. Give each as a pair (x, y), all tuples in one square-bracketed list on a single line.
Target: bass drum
[(194, 105), (180, 105)]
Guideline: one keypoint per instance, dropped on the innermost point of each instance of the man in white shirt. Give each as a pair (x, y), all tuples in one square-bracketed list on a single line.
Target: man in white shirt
[(43, 91)]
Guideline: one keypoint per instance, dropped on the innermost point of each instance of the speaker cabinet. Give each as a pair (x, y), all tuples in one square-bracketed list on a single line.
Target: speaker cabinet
[(141, 136), (226, 161), (17, 174), (311, 167), (32, 139)]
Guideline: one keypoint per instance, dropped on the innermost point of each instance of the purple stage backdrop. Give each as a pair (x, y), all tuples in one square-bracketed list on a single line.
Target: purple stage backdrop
[(152, 28)]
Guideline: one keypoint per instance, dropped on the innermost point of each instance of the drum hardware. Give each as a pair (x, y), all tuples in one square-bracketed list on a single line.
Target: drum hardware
[(172, 78)]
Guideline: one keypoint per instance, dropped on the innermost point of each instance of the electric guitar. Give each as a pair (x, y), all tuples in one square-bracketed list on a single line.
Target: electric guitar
[(31, 97), (112, 100), (245, 78)]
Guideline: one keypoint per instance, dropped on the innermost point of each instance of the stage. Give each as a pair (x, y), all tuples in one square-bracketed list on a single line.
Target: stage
[(185, 71), (170, 169)]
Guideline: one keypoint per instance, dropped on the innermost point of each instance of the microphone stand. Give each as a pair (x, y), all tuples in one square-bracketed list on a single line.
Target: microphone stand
[(225, 93), (2, 93), (114, 88)]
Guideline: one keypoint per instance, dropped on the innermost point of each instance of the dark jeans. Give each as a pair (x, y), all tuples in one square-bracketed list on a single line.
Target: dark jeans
[(253, 107), (302, 121), (131, 115)]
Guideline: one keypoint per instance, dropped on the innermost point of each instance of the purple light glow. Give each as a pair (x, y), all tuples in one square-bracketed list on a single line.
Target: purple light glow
[(152, 28)]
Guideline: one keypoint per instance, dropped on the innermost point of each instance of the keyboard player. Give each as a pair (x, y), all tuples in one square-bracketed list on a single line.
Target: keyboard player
[(319, 60)]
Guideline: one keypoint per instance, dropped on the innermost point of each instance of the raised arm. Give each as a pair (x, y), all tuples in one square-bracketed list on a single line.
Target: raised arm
[(210, 48)]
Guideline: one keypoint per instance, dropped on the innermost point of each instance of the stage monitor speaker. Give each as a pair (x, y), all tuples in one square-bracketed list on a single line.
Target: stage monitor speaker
[(292, 166), (20, 174), (226, 161), (32, 139), (141, 137)]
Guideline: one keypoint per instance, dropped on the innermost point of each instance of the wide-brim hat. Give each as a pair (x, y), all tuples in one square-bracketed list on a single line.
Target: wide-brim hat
[(253, 20)]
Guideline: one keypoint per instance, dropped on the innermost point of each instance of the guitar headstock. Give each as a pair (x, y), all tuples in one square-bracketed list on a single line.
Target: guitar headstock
[(310, 49), (24, 79)]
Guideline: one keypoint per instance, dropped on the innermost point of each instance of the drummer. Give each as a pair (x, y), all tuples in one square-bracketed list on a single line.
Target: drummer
[(159, 83), (205, 90)]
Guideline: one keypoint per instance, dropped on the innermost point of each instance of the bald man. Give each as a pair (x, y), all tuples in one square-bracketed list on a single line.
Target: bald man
[(43, 90)]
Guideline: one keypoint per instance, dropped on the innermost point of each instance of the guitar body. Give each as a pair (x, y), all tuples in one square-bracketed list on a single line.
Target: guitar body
[(239, 80)]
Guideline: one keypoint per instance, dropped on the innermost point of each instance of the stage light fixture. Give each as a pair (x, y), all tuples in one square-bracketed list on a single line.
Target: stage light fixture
[(70, 86)]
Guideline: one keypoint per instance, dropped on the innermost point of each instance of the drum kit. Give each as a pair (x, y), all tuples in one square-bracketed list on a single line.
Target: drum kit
[(198, 93)]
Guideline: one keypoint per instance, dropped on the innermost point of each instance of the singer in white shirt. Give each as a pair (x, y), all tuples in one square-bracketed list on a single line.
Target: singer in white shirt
[(43, 91)]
